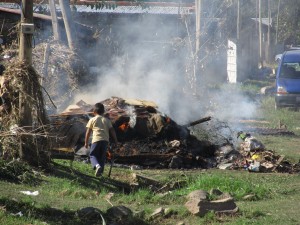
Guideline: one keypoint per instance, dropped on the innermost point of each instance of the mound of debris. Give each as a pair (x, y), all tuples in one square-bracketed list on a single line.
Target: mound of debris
[(148, 138)]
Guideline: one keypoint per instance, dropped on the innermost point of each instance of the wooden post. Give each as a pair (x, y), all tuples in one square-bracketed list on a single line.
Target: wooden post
[(269, 32), (69, 26), (238, 21), (277, 22), (55, 27), (197, 44), (260, 33), (45, 62), (25, 55), (198, 20), (25, 49)]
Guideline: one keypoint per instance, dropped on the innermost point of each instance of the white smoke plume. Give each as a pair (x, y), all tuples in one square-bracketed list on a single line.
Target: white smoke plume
[(142, 73)]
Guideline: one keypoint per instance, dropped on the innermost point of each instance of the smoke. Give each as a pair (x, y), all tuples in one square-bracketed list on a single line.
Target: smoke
[(151, 65)]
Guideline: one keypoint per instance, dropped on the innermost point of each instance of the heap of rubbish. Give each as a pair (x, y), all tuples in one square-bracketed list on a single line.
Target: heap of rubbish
[(151, 139)]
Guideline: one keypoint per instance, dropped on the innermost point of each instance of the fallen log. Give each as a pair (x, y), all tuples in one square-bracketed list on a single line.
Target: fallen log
[(202, 120)]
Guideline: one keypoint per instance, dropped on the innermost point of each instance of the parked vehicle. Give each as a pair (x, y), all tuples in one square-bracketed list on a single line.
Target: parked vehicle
[(290, 48), (288, 80)]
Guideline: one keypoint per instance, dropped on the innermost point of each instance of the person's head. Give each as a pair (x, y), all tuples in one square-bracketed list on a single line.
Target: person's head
[(99, 108)]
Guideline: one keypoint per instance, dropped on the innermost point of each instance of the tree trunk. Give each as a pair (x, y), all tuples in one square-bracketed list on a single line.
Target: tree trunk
[(55, 27), (69, 25)]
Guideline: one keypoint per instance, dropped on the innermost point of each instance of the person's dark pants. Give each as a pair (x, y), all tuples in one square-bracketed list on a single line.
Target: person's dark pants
[(98, 154)]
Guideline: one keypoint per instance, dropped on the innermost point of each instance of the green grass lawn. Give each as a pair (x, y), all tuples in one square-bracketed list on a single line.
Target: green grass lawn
[(277, 196)]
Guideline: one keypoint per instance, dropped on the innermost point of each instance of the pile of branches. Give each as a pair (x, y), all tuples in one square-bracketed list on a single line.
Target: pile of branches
[(22, 103), (62, 72)]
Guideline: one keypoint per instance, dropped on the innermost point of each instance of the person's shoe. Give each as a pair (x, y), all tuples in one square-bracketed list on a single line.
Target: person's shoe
[(98, 171)]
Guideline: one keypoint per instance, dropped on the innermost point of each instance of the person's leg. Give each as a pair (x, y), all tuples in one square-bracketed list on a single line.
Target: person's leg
[(95, 154), (102, 154)]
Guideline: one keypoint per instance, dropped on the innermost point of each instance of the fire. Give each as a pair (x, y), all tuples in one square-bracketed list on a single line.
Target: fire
[(168, 120), (124, 127)]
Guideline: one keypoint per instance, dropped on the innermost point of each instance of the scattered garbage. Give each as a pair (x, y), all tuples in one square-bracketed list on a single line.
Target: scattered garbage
[(20, 214), (32, 193)]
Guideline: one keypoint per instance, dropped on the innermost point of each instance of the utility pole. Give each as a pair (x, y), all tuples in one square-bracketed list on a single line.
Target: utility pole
[(198, 20), (25, 48), (25, 56), (55, 26), (197, 42), (277, 22), (69, 26), (260, 33), (269, 30), (238, 21)]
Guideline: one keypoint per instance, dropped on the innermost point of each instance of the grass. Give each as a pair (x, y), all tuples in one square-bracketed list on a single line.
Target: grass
[(63, 196), (288, 117)]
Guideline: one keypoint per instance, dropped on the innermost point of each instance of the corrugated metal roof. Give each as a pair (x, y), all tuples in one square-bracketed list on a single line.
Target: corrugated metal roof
[(137, 9), (168, 10)]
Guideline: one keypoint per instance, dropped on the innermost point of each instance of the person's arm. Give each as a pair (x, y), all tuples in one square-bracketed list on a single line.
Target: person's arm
[(112, 132), (87, 137)]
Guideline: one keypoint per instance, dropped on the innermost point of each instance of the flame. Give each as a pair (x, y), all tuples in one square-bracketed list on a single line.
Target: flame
[(108, 155), (168, 120), (123, 127)]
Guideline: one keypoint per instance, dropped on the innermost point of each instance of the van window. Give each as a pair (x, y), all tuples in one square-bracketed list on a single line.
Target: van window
[(290, 70)]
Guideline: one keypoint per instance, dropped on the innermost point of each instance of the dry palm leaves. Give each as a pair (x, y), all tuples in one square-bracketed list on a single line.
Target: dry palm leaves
[(22, 114), (62, 70)]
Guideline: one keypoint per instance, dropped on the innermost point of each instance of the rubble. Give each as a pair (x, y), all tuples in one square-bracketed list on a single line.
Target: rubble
[(150, 139)]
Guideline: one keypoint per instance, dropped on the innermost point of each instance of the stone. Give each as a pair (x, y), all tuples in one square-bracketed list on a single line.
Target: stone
[(119, 212), (198, 194), (158, 212), (89, 213), (201, 207)]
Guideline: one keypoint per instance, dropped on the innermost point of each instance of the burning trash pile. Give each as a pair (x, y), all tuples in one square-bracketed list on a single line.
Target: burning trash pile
[(150, 139)]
